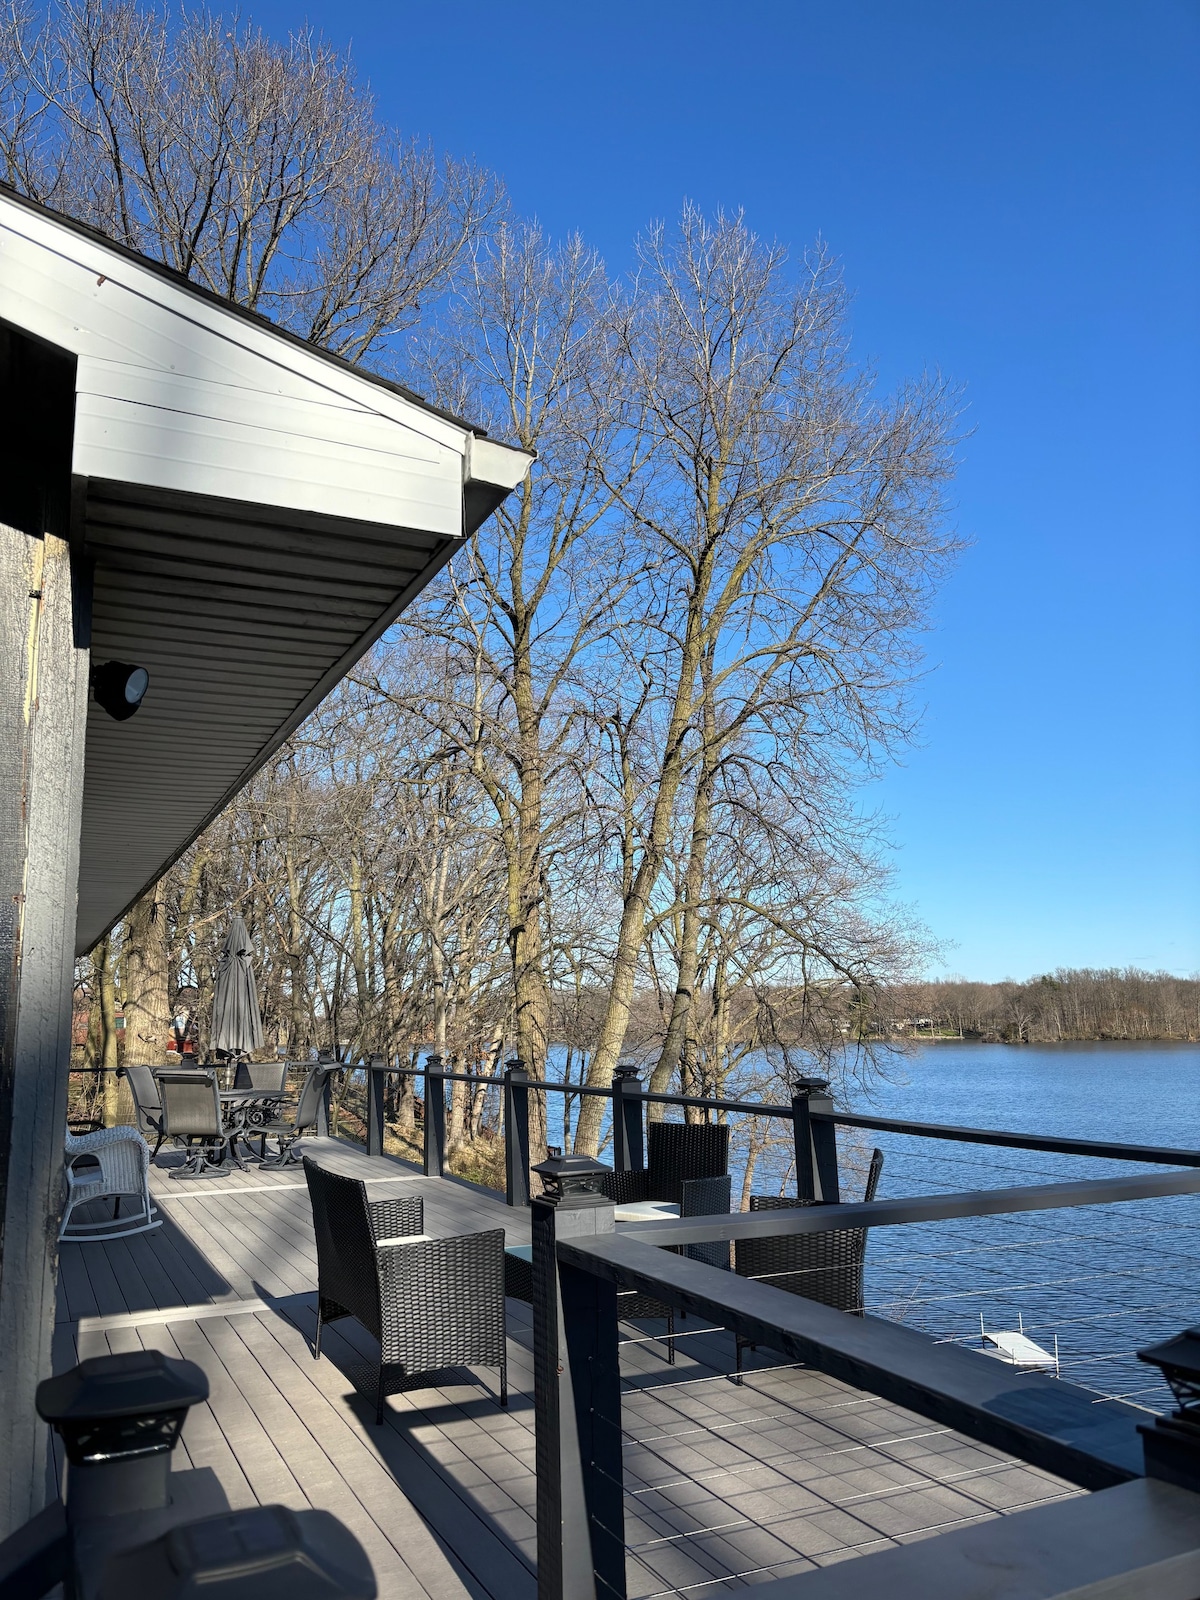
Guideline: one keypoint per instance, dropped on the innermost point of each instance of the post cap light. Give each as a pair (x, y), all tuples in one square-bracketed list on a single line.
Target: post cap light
[(120, 687), (564, 1176), (268, 1552), (1178, 1360), (119, 1407)]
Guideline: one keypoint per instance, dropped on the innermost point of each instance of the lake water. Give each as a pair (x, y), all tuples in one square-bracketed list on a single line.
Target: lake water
[(1105, 1279)]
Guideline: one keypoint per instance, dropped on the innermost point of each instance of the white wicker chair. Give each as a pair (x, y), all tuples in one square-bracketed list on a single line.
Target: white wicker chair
[(123, 1172)]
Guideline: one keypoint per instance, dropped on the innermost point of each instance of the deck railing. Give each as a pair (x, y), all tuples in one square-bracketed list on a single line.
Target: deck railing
[(579, 1261), (1094, 1441), (813, 1120)]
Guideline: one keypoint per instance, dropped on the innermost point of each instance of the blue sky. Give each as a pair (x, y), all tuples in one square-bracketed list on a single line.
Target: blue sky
[(1013, 190)]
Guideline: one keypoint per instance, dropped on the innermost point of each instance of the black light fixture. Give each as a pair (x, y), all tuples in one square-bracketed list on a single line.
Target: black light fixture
[(1172, 1444), (1178, 1360), (574, 1178), (120, 1418), (120, 687)]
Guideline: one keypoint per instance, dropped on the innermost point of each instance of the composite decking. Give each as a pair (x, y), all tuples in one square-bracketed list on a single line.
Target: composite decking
[(725, 1486)]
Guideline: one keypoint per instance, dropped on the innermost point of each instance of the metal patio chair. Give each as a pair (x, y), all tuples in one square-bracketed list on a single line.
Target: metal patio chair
[(120, 1170), (270, 1076), (191, 1111), (305, 1118), (435, 1305), (147, 1104), (826, 1267)]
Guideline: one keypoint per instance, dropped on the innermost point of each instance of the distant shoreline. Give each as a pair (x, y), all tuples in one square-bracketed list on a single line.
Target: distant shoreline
[(1045, 1044)]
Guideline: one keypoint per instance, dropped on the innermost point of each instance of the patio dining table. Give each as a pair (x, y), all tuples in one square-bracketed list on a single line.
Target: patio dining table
[(247, 1110)]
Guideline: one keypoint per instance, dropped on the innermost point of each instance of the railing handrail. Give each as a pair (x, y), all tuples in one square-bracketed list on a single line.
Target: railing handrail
[(1095, 1149), (1002, 1138)]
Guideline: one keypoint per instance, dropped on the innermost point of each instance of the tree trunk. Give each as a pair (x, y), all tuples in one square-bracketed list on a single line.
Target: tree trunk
[(144, 980), (631, 933), (108, 1028), (683, 1007)]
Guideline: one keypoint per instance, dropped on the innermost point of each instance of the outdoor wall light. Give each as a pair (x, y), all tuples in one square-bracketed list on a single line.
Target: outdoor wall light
[(120, 688)]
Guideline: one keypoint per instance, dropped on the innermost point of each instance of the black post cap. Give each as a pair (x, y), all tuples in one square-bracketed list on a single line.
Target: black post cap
[(570, 1175), (1178, 1359), (265, 1553), (126, 1405)]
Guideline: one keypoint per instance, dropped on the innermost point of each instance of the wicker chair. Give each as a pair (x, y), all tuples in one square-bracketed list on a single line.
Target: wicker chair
[(120, 1169), (435, 1305), (687, 1165), (676, 1153), (191, 1111), (146, 1103), (287, 1133), (826, 1267)]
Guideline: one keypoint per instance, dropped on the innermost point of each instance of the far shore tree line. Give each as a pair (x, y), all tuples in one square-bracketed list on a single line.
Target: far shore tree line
[(1052, 1008)]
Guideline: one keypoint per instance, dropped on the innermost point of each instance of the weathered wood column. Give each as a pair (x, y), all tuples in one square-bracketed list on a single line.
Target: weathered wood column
[(44, 622)]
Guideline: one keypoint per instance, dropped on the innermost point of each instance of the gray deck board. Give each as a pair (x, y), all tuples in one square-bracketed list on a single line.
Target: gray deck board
[(725, 1486)]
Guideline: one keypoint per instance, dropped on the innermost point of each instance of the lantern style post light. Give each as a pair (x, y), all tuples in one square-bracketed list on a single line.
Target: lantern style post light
[(1172, 1444), (132, 1527)]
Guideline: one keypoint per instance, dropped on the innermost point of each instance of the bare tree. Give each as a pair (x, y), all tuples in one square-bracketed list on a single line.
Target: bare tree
[(257, 168), (797, 527), (524, 348)]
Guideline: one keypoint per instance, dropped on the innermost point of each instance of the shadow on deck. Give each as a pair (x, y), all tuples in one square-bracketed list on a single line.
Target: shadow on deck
[(724, 1486)]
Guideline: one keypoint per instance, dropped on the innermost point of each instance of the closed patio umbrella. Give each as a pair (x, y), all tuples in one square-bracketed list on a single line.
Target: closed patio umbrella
[(236, 1024)]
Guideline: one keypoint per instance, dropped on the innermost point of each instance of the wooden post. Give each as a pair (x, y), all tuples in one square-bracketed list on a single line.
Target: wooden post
[(516, 1133), (815, 1143), (629, 1149), (45, 618), (376, 1086), (435, 1118)]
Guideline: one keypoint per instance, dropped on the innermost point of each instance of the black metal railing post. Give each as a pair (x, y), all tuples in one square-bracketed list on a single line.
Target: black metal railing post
[(376, 1088), (629, 1148), (577, 1395), (516, 1133), (435, 1117), (816, 1142)]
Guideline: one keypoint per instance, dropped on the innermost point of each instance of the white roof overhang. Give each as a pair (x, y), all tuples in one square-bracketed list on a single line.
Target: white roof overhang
[(257, 513)]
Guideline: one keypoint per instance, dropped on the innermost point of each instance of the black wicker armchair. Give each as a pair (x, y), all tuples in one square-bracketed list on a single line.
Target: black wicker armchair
[(677, 1153), (687, 1165), (826, 1267), (435, 1305)]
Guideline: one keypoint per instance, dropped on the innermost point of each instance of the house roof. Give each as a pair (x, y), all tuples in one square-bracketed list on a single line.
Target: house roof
[(231, 307), (255, 512)]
